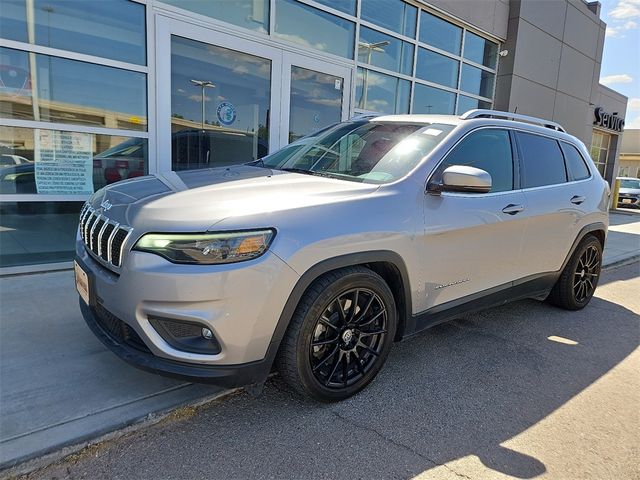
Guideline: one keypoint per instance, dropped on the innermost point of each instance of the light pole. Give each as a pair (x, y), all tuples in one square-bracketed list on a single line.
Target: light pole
[(371, 47), (203, 84)]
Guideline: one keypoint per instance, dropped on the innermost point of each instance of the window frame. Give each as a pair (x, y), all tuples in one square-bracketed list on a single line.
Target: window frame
[(436, 173)]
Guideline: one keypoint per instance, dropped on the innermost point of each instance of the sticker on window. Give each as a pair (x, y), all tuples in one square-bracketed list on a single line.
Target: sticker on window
[(432, 131)]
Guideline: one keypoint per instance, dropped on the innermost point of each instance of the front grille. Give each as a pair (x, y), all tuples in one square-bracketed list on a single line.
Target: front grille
[(119, 330), (103, 237)]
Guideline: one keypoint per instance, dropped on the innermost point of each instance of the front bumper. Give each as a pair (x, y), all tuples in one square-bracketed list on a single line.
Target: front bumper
[(223, 375), (628, 200), (240, 303)]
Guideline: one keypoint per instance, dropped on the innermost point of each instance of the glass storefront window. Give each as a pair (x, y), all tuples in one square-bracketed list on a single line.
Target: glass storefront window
[(480, 50), (439, 33), (467, 103), (437, 68), (385, 51), (53, 162), (477, 81), (346, 6), (428, 99), (313, 28), (252, 14), (394, 15), (219, 105), (377, 92), (107, 28), (37, 232), (600, 150), (69, 91), (315, 101)]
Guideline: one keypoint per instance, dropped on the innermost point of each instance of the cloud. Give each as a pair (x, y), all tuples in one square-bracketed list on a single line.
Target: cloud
[(632, 124), (612, 32), (633, 104), (612, 79), (625, 9), (198, 98), (630, 25)]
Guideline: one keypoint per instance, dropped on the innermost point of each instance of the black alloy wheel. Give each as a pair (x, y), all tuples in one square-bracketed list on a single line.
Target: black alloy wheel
[(348, 338), (586, 275), (579, 279), (340, 334)]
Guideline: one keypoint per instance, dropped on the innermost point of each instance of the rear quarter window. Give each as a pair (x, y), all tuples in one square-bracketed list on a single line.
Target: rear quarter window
[(542, 161), (576, 166)]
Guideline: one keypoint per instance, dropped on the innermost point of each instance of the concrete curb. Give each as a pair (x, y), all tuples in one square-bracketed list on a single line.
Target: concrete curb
[(64, 451)]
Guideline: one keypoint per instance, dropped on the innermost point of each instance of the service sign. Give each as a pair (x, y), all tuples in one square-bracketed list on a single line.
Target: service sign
[(64, 162), (608, 120)]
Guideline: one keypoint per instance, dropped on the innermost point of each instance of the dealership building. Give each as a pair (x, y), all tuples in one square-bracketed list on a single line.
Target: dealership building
[(92, 92)]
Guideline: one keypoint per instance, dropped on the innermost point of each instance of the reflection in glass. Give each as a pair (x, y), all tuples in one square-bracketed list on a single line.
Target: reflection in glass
[(385, 51), (476, 81), (479, 50), (316, 101), (346, 6), (392, 14), (107, 28), (381, 93), (313, 28), (70, 91), (440, 33), (37, 232), (252, 14), (437, 68), (467, 103), (229, 123), (66, 163), (432, 100)]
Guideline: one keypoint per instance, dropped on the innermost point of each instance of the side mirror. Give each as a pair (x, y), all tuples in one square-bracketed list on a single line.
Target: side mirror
[(462, 178)]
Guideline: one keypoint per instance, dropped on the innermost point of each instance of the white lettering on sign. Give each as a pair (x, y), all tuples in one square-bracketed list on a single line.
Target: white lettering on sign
[(64, 162)]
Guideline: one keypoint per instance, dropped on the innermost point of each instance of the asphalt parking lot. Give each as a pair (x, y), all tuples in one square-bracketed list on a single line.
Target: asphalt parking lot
[(524, 391)]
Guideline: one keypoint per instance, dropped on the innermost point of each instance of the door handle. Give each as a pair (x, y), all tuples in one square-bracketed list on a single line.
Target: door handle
[(512, 209), (577, 199)]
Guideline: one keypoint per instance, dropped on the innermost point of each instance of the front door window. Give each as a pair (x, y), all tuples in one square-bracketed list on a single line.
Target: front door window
[(219, 105)]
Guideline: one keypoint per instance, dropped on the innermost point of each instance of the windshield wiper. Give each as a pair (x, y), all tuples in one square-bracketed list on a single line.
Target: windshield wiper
[(300, 170)]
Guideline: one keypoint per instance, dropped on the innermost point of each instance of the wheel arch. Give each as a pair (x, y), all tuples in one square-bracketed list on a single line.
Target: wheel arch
[(389, 265), (597, 229)]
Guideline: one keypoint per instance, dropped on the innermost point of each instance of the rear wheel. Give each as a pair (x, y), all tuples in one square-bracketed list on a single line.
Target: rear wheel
[(340, 335), (579, 279)]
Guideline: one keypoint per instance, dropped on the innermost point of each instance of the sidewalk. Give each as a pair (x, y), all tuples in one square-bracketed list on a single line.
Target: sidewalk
[(59, 386)]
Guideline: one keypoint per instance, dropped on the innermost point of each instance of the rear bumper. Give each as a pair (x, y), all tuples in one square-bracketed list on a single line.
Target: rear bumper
[(222, 375)]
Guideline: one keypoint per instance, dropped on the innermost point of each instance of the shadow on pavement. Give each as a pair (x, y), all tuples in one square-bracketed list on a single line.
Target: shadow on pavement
[(462, 388)]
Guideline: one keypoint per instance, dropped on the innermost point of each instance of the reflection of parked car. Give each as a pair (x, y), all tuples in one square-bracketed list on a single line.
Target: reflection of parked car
[(629, 194), (191, 148), (7, 160), (18, 179), (125, 160), (320, 256)]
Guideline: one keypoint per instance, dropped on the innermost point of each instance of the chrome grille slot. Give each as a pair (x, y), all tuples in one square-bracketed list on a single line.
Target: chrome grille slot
[(103, 238)]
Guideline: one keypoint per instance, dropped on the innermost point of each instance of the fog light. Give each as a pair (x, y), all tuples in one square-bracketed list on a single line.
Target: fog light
[(206, 333)]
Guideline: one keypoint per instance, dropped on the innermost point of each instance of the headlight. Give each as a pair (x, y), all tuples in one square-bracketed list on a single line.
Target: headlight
[(207, 248)]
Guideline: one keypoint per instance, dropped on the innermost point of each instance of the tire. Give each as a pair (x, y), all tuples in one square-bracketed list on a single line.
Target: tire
[(579, 279), (349, 348)]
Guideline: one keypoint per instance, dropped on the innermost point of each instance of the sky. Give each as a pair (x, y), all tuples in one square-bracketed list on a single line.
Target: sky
[(621, 58)]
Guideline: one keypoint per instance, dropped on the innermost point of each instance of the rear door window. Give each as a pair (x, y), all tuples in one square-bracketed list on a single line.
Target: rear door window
[(576, 166), (542, 162), (488, 149)]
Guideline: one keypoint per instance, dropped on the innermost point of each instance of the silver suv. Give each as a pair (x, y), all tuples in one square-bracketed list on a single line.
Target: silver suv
[(315, 259)]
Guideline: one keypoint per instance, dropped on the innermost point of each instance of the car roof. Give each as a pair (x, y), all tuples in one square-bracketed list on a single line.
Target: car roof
[(418, 118)]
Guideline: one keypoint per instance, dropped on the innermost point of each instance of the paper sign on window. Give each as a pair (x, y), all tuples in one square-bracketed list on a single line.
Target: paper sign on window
[(64, 162)]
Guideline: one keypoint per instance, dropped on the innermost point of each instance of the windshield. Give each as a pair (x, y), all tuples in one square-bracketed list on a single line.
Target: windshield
[(362, 151), (630, 184)]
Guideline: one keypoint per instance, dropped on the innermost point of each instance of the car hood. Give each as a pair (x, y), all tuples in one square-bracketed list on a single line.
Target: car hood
[(197, 200)]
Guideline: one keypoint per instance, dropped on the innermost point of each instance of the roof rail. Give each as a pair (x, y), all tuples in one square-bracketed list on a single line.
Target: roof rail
[(481, 113)]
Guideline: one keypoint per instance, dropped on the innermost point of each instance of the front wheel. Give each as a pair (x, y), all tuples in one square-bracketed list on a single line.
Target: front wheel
[(579, 279), (340, 335)]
